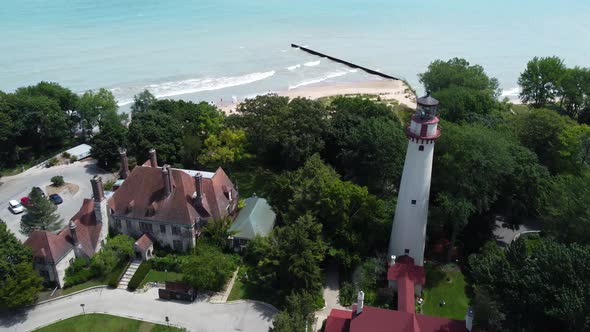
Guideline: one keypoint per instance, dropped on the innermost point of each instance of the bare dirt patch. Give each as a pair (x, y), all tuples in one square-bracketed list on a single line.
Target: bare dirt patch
[(72, 188)]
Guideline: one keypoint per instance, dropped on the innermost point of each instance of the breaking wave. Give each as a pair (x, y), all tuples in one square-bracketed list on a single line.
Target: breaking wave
[(175, 88), (312, 63), (319, 79), (291, 68)]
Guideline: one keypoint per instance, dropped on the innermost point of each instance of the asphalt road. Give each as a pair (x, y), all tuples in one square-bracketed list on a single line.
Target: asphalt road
[(199, 316), (17, 186)]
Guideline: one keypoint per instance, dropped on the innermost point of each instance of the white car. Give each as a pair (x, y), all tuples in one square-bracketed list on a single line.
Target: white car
[(15, 207)]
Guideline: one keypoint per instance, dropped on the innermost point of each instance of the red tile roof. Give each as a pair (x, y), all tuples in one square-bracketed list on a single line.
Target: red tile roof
[(52, 247), (338, 321), (142, 196), (382, 320), (144, 242)]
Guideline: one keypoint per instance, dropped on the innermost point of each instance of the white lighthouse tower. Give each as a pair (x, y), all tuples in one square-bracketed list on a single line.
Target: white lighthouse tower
[(409, 226)]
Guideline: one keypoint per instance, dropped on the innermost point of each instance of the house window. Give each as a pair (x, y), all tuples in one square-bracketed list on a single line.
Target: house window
[(145, 227), (117, 223), (175, 230), (413, 202), (177, 244), (163, 229), (128, 223), (421, 148)]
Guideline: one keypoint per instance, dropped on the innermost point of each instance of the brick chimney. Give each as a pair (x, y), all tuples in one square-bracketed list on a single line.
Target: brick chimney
[(73, 233), (97, 189), (198, 189), (360, 301), (166, 178), (124, 173), (153, 158)]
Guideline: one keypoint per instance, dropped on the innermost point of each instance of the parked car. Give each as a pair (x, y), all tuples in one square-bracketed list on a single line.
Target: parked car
[(15, 207), (39, 190), (55, 199), (26, 201)]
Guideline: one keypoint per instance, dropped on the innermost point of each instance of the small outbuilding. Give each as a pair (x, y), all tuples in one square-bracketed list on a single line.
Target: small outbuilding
[(144, 247), (80, 152), (177, 291), (255, 218)]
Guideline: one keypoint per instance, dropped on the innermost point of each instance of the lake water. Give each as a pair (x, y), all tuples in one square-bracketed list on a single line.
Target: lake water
[(214, 49)]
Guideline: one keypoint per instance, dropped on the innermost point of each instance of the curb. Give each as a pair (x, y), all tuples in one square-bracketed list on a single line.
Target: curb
[(68, 295), (106, 313), (268, 305)]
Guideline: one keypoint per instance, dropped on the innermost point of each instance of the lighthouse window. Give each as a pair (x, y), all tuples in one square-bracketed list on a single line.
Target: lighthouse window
[(414, 201), (421, 148), (407, 251)]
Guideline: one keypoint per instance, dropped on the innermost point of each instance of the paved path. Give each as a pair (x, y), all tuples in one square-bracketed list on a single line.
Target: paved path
[(197, 316), (330, 294), (17, 186)]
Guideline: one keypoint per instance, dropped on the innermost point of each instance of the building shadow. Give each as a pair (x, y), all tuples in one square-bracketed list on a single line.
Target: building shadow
[(11, 317)]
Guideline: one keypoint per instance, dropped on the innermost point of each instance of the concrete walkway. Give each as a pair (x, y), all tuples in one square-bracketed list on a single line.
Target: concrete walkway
[(197, 316), (222, 297), (330, 294), (129, 273)]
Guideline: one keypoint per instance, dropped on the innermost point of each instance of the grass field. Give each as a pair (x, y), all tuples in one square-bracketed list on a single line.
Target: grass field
[(446, 284), (101, 322), (159, 276), (248, 290)]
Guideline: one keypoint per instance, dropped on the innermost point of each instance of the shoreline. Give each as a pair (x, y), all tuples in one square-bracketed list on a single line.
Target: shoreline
[(387, 89)]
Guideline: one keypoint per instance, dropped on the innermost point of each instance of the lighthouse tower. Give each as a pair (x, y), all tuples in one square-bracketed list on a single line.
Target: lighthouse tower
[(409, 226)]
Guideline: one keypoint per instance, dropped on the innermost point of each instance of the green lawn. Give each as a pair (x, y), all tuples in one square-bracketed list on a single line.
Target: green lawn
[(101, 322), (159, 276), (246, 290), (438, 287)]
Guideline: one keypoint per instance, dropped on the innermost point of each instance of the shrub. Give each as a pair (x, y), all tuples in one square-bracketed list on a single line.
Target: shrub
[(139, 275), (57, 181), (103, 262), (108, 186), (73, 159), (52, 162), (346, 294), (209, 269), (77, 273), (118, 273), (171, 263), (66, 155)]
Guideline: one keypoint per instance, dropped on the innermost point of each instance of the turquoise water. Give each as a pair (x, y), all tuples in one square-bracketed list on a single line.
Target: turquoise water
[(214, 49)]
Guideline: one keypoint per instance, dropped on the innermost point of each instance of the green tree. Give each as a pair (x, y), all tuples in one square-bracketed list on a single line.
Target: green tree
[(158, 130), (57, 181), (224, 149), (209, 269), (93, 105), (217, 230), (540, 131), (564, 208), (354, 221), (540, 81), (298, 314), (574, 97), (19, 283), (459, 103), (574, 149), (103, 263), (121, 245), (143, 102), (457, 72), (540, 287), (112, 136), (283, 133), (366, 143), (40, 215), (289, 259)]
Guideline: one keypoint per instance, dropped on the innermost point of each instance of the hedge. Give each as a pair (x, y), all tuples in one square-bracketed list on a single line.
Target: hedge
[(117, 273), (139, 275), (171, 263)]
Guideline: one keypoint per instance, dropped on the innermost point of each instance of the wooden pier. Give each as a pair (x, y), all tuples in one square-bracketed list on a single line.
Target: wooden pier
[(350, 64)]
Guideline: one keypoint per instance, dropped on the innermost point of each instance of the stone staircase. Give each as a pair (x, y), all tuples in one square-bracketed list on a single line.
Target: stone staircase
[(129, 274)]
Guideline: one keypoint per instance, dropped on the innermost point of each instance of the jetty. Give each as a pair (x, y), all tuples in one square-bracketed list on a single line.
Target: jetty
[(347, 63)]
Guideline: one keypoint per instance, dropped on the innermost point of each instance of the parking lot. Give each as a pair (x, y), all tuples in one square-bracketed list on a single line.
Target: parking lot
[(20, 185)]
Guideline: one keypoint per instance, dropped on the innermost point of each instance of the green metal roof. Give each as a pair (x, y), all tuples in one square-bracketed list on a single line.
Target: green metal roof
[(255, 218)]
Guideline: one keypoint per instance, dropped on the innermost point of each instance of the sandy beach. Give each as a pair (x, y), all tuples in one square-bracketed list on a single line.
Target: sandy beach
[(386, 89)]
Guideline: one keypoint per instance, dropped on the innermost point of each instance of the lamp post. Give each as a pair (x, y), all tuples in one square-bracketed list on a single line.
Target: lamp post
[(83, 311), (167, 321), (166, 270)]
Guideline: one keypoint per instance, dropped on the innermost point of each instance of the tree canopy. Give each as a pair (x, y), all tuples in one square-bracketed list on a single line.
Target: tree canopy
[(41, 214), (540, 81), (19, 283)]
